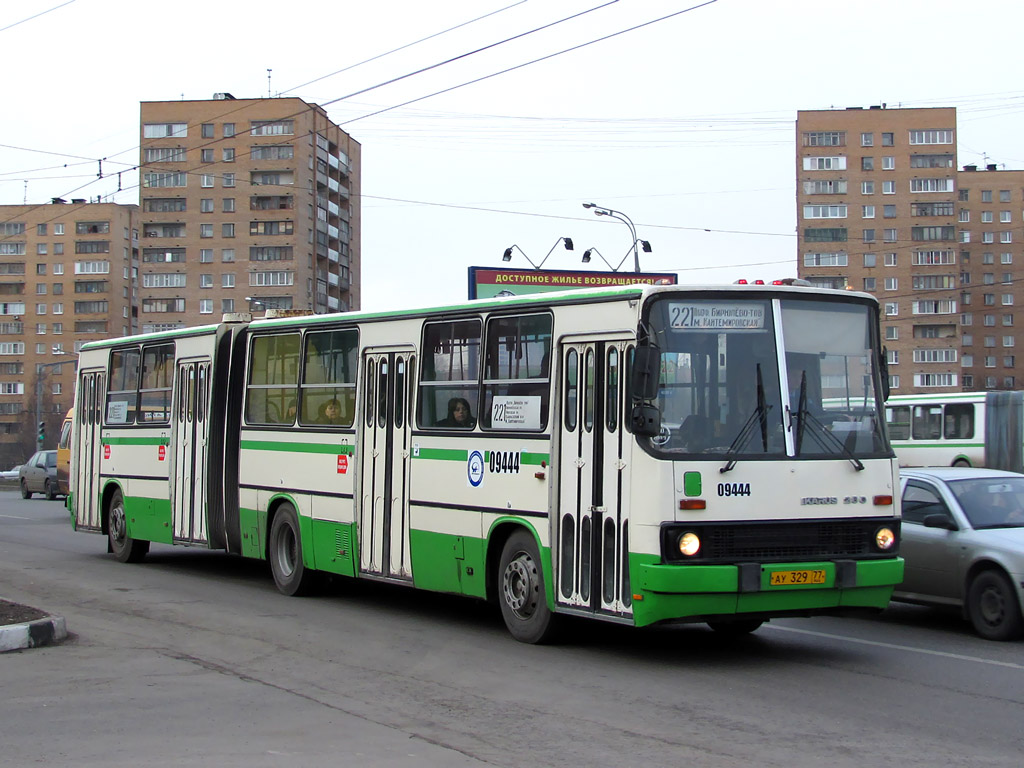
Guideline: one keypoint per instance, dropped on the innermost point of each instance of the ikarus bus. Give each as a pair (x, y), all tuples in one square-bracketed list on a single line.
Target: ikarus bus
[(634, 454)]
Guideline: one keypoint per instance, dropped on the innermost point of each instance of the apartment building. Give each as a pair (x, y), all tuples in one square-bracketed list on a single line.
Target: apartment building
[(66, 277), (877, 209), (990, 210), (246, 205)]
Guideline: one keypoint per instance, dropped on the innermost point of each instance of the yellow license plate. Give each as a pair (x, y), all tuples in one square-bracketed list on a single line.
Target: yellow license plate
[(795, 578)]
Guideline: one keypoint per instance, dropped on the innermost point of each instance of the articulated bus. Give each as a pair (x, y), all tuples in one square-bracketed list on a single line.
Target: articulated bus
[(634, 454), (958, 429)]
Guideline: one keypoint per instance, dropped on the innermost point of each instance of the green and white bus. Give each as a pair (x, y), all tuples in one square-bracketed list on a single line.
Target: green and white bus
[(633, 454)]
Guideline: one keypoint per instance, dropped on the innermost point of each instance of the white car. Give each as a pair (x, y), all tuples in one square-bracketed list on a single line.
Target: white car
[(962, 542)]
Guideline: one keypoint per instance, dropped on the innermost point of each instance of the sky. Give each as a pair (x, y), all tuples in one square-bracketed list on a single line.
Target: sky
[(686, 124)]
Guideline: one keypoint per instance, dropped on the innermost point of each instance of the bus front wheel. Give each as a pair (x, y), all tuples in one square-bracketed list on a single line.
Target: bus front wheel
[(125, 548), (290, 575), (521, 593)]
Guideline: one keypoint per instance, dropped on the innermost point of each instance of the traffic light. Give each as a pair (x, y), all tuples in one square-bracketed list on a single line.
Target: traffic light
[(42, 431)]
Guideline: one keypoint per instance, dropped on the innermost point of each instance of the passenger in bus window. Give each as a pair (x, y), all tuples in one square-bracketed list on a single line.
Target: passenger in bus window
[(459, 414), (331, 413), (289, 415)]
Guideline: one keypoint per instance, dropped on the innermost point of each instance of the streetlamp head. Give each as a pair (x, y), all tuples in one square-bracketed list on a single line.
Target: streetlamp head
[(646, 246), (507, 256), (589, 205), (586, 256), (568, 243)]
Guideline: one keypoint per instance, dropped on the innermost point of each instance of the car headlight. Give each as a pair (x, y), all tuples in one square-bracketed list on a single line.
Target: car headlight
[(885, 539), (689, 544)]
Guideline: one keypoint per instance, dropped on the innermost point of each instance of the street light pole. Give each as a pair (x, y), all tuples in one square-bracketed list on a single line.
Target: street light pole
[(601, 211), (42, 371)]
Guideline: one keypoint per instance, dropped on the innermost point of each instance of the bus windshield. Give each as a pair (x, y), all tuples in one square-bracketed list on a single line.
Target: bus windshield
[(727, 392)]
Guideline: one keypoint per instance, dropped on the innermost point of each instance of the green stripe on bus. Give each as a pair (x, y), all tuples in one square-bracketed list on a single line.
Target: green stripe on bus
[(441, 454), (915, 444), (135, 441), (535, 458), (267, 445)]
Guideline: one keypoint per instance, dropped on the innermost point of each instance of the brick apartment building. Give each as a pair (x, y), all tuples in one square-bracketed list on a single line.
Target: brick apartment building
[(882, 208), (66, 277), (246, 205)]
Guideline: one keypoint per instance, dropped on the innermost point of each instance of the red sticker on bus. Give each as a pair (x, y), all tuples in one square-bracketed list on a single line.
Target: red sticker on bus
[(106, 451), (342, 464), (162, 452)]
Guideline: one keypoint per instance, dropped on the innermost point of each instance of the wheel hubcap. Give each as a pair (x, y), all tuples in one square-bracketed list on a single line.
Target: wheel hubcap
[(992, 608), (287, 551), (118, 530), (519, 584)]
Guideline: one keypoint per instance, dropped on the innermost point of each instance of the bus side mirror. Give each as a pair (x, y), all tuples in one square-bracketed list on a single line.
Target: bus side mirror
[(646, 372), (645, 420)]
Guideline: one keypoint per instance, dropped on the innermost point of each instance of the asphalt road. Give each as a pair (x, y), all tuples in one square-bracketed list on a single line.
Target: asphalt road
[(193, 659)]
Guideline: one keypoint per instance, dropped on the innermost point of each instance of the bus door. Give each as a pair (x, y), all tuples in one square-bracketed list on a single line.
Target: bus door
[(88, 449), (384, 458), (592, 533), (189, 441)]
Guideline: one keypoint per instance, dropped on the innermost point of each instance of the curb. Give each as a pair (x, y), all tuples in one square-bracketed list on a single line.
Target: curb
[(33, 634)]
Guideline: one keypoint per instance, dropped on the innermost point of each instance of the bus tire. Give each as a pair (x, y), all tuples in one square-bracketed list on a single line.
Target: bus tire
[(25, 492), (735, 628), (521, 594), (285, 552), (993, 608), (125, 548), (961, 463)]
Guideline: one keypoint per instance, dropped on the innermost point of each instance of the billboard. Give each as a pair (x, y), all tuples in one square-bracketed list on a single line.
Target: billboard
[(488, 282)]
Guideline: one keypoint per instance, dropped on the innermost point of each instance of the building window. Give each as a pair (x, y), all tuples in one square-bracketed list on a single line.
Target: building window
[(206, 205), (889, 211), (227, 255), (867, 211), (205, 255), (869, 235), (867, 187), (893, 357), (228, 180), (206, 155), (889, 235), (206, 306), (227, 230), (888, 163), (892, 308), (824, 163), (153, 180), (867, 163), (164, 130), (986, 195), (206, 230), (227, 281), (869, 284), (1005, 217), (888, 187), (890, 259), (228, 154), (892, 283), (1004, 195), (228, 205), (229, 130), (206, 281), (206, 180), (965, 216), (870, 259), (892, 333), (887, 139), (272, 127), (867, 139), (207, 130), (825, 139), (931, 137), (810, 212), (227, 305)]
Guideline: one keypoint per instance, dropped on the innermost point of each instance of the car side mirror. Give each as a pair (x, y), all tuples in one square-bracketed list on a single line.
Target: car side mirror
[(940, 520)]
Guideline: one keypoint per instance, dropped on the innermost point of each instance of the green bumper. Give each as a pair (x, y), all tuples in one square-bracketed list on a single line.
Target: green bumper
[(663, 592)]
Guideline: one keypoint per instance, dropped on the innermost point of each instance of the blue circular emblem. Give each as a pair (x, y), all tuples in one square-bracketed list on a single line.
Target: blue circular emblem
[(475, 468)]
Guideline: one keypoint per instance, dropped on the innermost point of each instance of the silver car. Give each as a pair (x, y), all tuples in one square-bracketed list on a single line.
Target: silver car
[(962, 543), (39, 475)]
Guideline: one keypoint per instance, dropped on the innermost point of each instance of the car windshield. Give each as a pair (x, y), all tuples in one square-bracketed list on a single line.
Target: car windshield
[(991, 502)]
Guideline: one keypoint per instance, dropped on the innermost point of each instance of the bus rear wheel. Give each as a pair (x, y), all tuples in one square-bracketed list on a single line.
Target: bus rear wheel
[(285, 552), (125, 548), (521, 594)]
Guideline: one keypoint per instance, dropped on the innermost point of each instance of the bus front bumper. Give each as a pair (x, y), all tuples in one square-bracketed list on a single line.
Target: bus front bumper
[(666, 592)]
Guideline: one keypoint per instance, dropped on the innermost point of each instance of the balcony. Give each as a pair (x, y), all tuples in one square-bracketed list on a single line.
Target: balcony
[(332, 255)]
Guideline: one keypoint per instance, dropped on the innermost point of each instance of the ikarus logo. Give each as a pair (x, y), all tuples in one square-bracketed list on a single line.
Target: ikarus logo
[(475, 468)]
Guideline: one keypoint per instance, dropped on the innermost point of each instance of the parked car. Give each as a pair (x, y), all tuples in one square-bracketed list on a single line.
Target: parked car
[(10, 474), (962, 542), (39, 475)]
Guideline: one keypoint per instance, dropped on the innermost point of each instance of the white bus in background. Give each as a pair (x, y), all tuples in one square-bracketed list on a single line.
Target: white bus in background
[(958, 429)]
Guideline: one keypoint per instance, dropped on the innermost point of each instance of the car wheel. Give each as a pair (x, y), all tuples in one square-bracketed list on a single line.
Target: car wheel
[(993, 607), (25, 492), (48, 490), (290, 574), (125, 548), (521, 593)]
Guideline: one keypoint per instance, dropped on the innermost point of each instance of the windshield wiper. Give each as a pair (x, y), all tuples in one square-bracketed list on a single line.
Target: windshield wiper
[(761, 414), (820, 432)]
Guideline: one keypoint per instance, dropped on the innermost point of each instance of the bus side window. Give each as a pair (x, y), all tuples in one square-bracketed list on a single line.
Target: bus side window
[(959, 421), (898, 417), (927, 423), (449, 372)]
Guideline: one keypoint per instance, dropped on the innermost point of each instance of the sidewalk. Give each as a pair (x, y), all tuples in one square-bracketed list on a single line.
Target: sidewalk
[(22, 626)]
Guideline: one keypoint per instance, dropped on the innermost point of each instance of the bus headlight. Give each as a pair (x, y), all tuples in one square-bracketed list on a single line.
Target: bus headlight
[(885, 539), (689, 544)]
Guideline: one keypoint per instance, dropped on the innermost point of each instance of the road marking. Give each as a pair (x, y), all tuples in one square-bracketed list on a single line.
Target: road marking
[(895, 646), (15, 517)]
